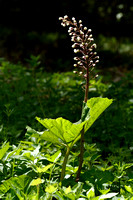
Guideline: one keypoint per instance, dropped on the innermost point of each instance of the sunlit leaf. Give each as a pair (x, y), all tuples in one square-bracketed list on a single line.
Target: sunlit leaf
[(36, 182), (68, 190), (97, 106), (44, 169), (108, 196), (50, 189), (129, 189), (91, 193), (4, 149), (54, 157), (60, 131)]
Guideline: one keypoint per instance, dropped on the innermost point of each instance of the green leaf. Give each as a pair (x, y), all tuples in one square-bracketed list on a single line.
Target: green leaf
[(108, 196), (97, 106), (54, 157), (43, 169), (60, 131), (91, 111), (51, 189), (91, 193), (68, 190), (20, 182), (4, 149), (36, 182), (129, 189)]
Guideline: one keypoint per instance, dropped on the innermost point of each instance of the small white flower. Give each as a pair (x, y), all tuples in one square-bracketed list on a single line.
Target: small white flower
[(80, 73), (75, 58), (65, 17), (74, 45), (89, 30), (72, 39), (79, 62), (70, 28), (75, 29), (80, 21), (74, 72), (76, 50), (78, 38), (94, 45), (63, 24), (81, 32), (96, 61), (81, 46), (75, 65), (85, 28), (97, 57), (60, 18), (68, 23), (91, 39)]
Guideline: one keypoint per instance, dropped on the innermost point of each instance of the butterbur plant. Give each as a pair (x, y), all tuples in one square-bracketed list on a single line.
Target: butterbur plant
[(61, 131)]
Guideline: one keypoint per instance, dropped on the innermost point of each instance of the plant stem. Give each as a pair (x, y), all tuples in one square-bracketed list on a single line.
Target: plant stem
[(82, 132), (81, 155), (64, 164), (87, 83)]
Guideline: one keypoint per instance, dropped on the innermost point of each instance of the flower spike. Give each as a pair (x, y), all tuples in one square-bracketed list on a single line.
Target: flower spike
[(83, 46)]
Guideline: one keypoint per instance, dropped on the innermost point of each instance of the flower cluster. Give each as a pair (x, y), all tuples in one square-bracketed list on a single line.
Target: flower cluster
[(83, 46)]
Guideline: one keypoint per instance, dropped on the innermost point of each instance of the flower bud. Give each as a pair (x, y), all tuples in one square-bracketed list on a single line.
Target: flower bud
[(81, 32), (76, 50), (75, 72), (65, 17), (78, 38), (60, 18), (75, 58)]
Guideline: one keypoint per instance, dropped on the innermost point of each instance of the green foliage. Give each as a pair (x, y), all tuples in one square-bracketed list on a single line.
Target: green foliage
[(30, 169)]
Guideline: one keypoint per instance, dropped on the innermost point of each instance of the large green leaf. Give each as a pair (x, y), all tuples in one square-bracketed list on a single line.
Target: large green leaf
[(97, 106), (62, 131)]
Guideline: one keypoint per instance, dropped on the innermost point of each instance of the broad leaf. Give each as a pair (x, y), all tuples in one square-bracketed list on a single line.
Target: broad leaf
[(97, 106), (62, 131), (91, 111)]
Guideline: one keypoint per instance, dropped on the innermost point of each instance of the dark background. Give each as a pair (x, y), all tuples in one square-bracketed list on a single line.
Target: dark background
[(32, 28)]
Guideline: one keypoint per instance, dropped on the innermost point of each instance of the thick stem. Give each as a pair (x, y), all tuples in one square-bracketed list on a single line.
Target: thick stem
[(64, 164), (81, 155)]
